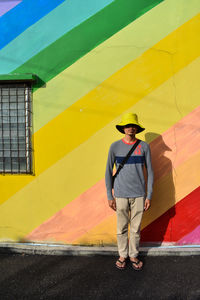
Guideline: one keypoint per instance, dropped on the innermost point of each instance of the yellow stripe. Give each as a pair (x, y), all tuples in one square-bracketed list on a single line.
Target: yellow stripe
[(164, 197), (107, 58), (118, 93), (112, 97), (81, 168), (158, 111)]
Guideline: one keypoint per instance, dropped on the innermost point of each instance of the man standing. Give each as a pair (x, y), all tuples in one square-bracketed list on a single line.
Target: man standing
[(131, 194)]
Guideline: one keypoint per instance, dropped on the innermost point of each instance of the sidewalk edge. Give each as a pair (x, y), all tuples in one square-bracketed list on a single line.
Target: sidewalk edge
[(56, 249)]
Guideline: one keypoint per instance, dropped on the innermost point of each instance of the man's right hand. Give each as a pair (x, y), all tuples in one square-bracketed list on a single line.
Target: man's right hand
[(112, 204)]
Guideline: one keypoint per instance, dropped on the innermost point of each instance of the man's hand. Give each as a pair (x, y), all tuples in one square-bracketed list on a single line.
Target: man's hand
[(112, 204), (147, 204)]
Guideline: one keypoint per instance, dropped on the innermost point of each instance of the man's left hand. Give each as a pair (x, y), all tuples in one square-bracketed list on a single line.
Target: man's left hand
[(147, 204)]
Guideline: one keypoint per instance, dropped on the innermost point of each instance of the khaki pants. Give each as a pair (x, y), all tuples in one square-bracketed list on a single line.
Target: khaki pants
[(129, 210)]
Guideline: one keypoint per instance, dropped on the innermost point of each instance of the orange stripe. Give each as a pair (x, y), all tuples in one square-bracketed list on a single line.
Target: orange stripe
[(88, 209), (72, 221), (178, 144)]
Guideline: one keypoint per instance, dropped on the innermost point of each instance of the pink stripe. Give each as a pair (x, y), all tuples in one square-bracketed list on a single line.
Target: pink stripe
[(176, 145), (171, 149), (75, 218), (191, 238), (7, 5)]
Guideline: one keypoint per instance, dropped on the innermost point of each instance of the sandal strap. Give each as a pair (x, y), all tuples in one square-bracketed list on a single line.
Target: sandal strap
[(121, 262), (135, 262)]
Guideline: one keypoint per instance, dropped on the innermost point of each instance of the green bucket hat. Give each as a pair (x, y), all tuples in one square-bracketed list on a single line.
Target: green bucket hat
[(129, 118)]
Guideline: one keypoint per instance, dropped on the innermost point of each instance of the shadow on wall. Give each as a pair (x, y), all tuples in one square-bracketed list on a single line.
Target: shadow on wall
[(161, 229), (39, 83)]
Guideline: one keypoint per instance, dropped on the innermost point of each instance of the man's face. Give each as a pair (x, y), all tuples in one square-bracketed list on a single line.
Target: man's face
[(130, 129)]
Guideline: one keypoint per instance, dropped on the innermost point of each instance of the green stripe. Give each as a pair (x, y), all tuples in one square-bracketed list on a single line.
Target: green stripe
[(109, 57), (82, 39)]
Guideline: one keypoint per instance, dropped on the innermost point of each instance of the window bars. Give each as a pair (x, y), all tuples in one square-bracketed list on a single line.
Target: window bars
[(15, 128)]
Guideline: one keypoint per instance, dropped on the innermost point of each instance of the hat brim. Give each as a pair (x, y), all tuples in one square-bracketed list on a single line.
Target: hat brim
[(120, 128)]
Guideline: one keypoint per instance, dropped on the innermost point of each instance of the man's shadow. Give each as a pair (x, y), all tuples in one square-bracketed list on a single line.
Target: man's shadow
[(157, 222)]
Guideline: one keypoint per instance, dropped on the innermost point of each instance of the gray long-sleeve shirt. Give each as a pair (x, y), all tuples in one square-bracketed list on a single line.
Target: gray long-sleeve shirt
[(130, 181)]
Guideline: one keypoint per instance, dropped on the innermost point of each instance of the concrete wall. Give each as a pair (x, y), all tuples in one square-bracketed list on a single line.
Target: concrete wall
[(96, 60)]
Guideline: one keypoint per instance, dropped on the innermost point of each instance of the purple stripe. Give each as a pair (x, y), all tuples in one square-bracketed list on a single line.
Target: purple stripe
[(6, 5), (191, 238)]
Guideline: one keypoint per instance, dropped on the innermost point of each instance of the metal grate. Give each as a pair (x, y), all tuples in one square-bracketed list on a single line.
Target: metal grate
[(15, 129)]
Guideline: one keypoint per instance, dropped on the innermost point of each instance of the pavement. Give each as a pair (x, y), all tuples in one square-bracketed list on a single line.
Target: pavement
[(25, 276)]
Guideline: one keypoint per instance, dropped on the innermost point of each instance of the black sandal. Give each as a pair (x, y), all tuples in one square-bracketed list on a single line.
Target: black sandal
[(121, 262), (136, 263)]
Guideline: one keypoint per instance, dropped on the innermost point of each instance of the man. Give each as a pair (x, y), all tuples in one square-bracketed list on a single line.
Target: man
[(131, 196)]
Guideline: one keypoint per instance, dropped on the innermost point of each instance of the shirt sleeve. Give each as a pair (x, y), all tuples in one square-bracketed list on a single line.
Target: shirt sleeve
[(109, 173), (150, 175)]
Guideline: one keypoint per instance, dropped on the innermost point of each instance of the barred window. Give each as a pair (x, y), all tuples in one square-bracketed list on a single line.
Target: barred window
[(15, 128)]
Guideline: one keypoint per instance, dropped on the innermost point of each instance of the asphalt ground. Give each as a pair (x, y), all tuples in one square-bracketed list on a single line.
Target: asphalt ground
[(96, 277)]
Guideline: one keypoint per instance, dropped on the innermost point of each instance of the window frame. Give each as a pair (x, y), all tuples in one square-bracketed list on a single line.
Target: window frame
[(17, 165)]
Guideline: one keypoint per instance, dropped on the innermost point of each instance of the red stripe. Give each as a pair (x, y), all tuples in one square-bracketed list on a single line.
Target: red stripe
[(176, 222)]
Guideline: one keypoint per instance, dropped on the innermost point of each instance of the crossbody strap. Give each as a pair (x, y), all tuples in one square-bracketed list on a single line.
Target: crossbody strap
[(126, 158)]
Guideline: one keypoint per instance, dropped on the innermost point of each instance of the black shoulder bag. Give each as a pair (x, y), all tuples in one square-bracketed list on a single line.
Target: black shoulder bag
[(125, 160)]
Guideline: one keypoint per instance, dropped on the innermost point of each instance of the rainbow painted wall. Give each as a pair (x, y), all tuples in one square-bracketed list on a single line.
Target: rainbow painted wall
[(96, 60)]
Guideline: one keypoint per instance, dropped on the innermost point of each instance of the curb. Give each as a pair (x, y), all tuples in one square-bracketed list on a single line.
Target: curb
[(56, 249)]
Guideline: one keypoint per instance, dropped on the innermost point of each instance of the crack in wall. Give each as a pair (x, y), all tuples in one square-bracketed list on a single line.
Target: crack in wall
[(140, 47)]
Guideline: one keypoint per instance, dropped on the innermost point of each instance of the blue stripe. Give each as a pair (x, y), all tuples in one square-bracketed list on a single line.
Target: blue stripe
[(44, 32), (22, 16), (132, 160)]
